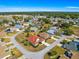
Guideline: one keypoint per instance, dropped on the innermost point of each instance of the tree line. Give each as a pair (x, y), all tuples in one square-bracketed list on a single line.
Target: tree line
[(48, 14)]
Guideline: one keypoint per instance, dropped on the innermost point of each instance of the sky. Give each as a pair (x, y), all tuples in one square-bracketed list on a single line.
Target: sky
[(39, 5)]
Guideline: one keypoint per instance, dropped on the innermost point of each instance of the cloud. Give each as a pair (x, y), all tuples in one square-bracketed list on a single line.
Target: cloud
[(39, 9), (72, 7), (27, 9), (13, 9)]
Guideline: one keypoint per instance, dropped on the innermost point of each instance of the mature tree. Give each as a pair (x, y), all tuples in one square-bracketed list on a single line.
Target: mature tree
[(6, 21), (65, 25), (27, 19), (17, 18), (64, 42), (1, 23), (67, 31), (46, 20), (71, 23), (67, 16), (52, 53)]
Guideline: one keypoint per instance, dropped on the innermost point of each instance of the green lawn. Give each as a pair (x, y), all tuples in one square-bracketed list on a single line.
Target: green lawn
[(50, 41), (59, 50)]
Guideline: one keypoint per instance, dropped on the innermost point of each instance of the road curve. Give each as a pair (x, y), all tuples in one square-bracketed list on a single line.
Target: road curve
[(34, 55)]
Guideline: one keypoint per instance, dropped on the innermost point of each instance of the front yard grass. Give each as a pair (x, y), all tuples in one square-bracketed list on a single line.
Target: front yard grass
[(33, 49), (50, 41), (59, 50)]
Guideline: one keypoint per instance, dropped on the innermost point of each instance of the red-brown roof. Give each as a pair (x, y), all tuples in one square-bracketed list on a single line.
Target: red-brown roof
[(33, 39)]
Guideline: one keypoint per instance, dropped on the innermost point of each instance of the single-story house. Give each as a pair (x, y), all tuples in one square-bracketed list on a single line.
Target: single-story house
[(12, 29), (52, 30), (6, 25), (30, 22), (35, 40), (35, 29), (9, 30), (40, 16), (73, 45), (26, 24), (18, 26), (44, 35)]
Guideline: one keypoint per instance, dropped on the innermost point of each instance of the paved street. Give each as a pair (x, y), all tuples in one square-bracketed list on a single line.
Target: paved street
[(34, 55)]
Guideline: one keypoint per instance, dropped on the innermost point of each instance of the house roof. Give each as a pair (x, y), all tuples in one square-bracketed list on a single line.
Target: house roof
[(77, 40), (44, 35), (34, 28), (18, 26), (33, 39), (51, 31), (71, 45)]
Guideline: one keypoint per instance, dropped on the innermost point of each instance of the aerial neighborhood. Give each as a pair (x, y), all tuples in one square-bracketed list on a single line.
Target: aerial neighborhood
[(24, 36)]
